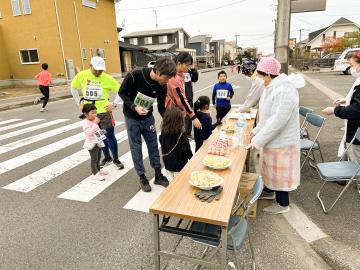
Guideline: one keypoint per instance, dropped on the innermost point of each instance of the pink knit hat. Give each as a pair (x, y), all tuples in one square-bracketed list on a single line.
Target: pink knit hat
[(269, 65)]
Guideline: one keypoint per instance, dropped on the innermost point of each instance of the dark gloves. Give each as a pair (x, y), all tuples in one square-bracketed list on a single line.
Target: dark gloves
[(209, 195)]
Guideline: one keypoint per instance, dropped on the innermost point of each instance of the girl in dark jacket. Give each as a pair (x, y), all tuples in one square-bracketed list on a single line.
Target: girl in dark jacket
[(175, 146)]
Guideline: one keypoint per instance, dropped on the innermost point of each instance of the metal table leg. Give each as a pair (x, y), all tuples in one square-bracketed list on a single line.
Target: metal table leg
[(223, 248), (156, 242)]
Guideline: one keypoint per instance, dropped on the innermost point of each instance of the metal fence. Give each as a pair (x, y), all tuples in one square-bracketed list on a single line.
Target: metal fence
[(313, 63)]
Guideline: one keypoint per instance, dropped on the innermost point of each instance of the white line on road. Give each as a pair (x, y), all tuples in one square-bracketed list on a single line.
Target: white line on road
[(29, 140), (143, 200), (44, 175), (9, 121), (21, 124), (32, 128), (39, 153), (303, 225), (88, 188)]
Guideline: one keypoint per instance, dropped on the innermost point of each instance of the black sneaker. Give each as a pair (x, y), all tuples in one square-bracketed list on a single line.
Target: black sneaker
[(118, 164), (105, 161), (144, 184), (160, 179)]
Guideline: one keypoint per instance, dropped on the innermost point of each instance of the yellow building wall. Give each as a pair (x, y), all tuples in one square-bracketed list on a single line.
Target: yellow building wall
[(36, 30), (4, 66), (97, 29)]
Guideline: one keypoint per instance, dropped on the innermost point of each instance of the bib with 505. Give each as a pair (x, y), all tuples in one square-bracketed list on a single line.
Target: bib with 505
[(93, 92)]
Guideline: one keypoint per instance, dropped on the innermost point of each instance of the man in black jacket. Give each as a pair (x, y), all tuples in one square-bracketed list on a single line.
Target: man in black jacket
[(190, 77), (139, 90)]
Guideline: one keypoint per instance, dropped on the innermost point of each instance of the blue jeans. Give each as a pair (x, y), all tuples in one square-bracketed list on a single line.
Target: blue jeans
[(111, 143), (146, 128)]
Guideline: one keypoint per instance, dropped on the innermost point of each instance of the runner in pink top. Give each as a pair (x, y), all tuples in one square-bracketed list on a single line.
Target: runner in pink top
[(44, 79)]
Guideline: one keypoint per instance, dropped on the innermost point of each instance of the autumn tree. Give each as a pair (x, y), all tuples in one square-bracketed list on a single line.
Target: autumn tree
[(330, 44)]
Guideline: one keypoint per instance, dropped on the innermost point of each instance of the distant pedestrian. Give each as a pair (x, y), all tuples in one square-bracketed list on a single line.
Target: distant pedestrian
[(189, 77), (277, 134), (221, 95), (201, 107), (256, 89), (175, 96), (94, 137), (44, 80), (175, 146)]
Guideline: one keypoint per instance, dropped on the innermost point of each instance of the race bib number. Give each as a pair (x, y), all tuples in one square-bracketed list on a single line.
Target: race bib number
[(100, 135), (187, 77), (144, 101), (93, 92), (221, 93)]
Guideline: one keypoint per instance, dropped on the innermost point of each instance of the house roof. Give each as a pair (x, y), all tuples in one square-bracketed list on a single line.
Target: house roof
[(154, 32), (159, 47), (341, 21), (199, 38), (131, 47)]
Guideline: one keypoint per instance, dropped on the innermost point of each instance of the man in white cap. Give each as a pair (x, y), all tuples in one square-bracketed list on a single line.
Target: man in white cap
[(95, 86)]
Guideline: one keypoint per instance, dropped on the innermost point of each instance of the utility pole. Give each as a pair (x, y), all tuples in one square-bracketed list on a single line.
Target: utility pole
[(156, 18), (300, 30), (282, 34), (236, 38)]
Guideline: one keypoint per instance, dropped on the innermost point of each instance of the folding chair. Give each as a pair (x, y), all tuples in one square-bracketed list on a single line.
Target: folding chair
[(303, 111), (307, 145), (238, 229), (339, 171)]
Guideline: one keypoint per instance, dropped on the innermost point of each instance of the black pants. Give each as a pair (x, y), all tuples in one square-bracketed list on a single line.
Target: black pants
[(45, 91), (188, 126), (221, 111), (95, 155), (282, 197)]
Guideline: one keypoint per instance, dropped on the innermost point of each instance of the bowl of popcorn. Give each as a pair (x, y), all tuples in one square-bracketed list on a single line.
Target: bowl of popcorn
[(205, 179)]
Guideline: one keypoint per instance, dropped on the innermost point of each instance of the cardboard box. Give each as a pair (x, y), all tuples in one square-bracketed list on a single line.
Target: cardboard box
[(246, 184)]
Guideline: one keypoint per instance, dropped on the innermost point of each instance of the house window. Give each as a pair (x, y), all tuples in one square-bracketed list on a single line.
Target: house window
[(15, 4), (91, 53), (148, 40), (101, 53), (163, 39), (334, 34), (323, 37), (83, 53), (26, 6), (89, 3), (29, 56), (133, 41)]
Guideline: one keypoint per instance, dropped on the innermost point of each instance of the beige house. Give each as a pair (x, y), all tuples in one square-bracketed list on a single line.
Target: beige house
[(63, 33)]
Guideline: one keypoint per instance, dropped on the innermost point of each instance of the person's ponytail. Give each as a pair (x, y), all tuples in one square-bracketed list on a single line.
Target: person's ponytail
[(201, 102)]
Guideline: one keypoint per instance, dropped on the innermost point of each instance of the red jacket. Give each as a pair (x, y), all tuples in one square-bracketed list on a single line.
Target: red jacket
[(176, 97)]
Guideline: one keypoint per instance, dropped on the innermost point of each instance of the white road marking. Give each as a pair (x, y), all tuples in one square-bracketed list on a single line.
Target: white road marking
[(303, 225), (30, 129), (143, 200), (44, 175), (29, 140), (39, 153), (21, 124), (88, 188), (9, 121)]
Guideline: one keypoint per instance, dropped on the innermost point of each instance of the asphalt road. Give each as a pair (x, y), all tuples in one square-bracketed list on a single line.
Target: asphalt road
[(39, 230)]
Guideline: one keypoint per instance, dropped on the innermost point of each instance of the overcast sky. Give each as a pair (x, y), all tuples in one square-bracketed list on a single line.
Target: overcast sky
[(252, 20)]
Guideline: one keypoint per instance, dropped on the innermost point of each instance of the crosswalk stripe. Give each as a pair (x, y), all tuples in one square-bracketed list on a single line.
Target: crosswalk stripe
[(89, 188), (29, 140), (32, 128), (18, 161), (44, 175), (9, 121), (21, 124), (143, 200)]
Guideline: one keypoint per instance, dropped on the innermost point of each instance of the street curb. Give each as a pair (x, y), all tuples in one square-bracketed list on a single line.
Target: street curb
[(11, 106), (336, 254)]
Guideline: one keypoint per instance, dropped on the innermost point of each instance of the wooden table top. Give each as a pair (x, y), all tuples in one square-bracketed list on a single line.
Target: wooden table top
[(178, 199)]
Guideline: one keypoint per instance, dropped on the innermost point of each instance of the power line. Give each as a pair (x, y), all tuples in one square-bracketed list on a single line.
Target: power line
[(168, 5), (194, 13)]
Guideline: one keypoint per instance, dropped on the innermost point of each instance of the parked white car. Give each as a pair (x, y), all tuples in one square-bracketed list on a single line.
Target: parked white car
[(151, 64), (341, 64)]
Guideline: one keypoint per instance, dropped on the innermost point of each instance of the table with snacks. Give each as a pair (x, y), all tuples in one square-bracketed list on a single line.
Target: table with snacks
[(219, 163)]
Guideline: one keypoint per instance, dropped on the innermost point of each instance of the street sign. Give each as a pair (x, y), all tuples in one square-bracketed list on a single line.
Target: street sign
[(298, 6)]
